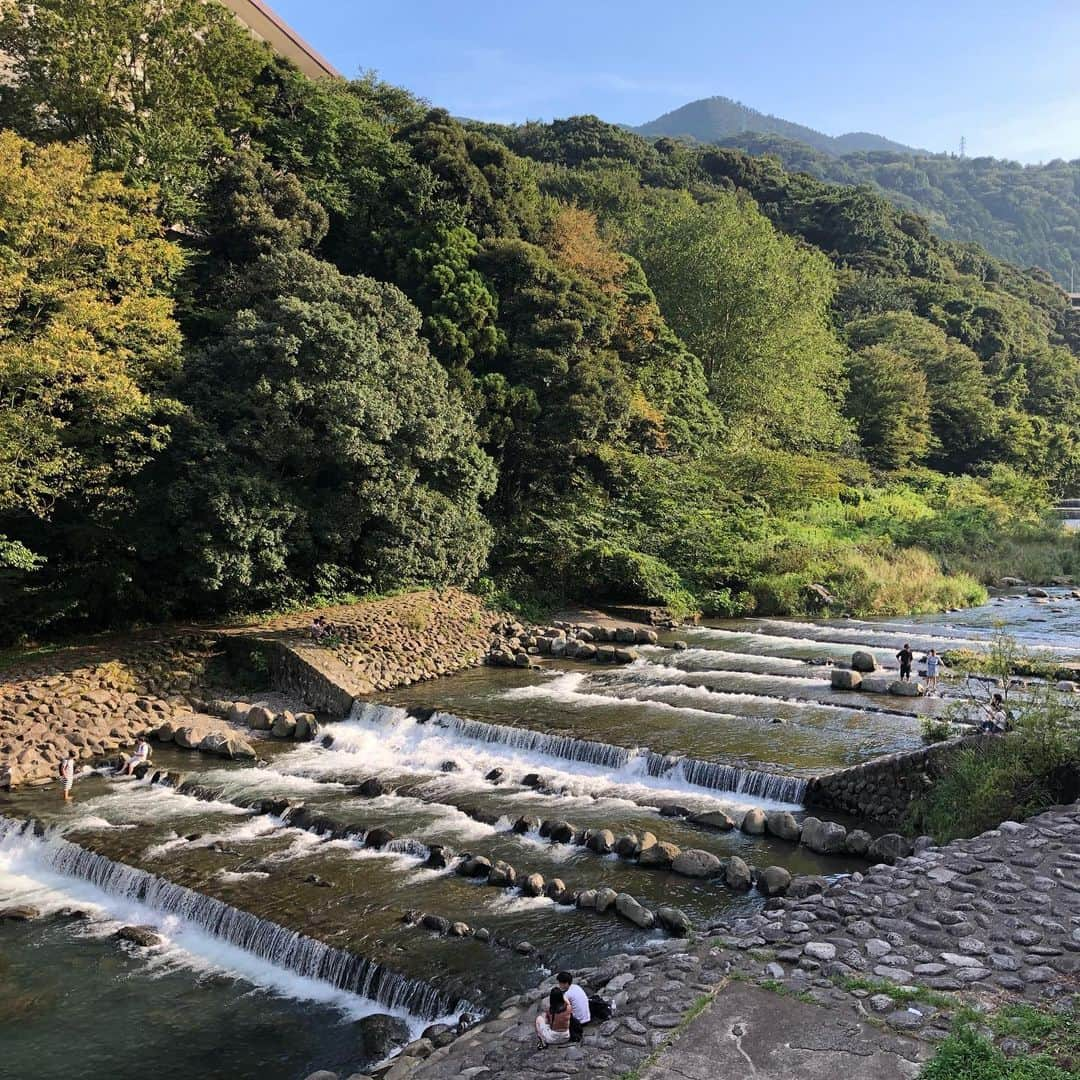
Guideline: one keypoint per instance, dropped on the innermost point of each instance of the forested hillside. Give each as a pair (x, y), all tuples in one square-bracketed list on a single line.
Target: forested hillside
[(713, 119), (267, 340)]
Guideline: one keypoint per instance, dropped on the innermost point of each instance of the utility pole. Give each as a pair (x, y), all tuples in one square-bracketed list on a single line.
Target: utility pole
[(963, 145)]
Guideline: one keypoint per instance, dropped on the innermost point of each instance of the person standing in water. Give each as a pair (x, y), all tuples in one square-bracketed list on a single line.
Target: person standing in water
[(67, 775), (905, 656), (933, 666)]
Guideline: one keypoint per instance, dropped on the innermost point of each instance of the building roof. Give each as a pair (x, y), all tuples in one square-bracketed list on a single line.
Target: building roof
[(285, 41)]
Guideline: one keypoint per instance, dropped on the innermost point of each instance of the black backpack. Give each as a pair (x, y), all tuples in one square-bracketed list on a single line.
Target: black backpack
[(600, 1010)]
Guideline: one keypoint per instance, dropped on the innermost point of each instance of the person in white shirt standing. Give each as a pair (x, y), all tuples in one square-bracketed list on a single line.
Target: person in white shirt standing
[(578, 1001), (67, 775)]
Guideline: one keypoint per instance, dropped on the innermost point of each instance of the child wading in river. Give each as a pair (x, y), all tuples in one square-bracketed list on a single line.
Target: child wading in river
[(67, 775)]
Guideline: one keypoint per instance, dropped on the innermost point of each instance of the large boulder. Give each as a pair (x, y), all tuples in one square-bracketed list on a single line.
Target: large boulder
[(628, 846), (602, 841), (381, 1034), (378, 837), (843, 679), (634, 912), (604, 899), (823, 837), (753, 822), (692, 862), (877, 684), (474, 866), (533, 885), (260, 718), (561, 832), (906, 688), (888, 848), (673, 920), (737, 874), (716, 820), (525, 824), (863, 661), (189, 737), (146, 937), (857, 842), (774, 881), (556, 890), (19, 913), (1037, 593), (284, 726), (644, 636), (659, 855), (307, 727), (237, 712), (782, 824), (436, 922)]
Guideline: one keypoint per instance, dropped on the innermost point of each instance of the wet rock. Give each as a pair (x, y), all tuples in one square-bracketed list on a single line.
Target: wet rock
[(737, 874), (604, 899), (322, 1074), (1037, 593), (438, 857), (628, 846), (888, 848), (412, 917), (533, 885), (237, 713), (695, 863), (502, 874), (460, 929), (843, 679), (602, 841), (165, 733), (674, 920), (145, 937), (450, 766), (378, 837), (661, 855), (634, 912), (823, 837), (679, 646), (774, 881), (19, 913), (674, 810), (436, 923), (716, 820), (525, 948), (783, 825), (857, 842), (526, 824), (532, 780), (647, 841), (753, 822), (643, 636), (803, 885), (496, 776), (820, 950), (863, 661), (307, 727), (555, 890), (438, 1035), (474, 866), (906, 688), (561, 832), (371, 788), (284, 726), (625, 656), (381, 1034), (320, 882)]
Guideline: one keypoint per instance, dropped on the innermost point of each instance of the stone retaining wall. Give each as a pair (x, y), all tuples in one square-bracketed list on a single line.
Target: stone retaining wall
[(881, 790)]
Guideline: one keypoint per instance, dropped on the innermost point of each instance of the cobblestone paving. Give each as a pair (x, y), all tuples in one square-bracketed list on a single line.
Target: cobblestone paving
[(973, 923)]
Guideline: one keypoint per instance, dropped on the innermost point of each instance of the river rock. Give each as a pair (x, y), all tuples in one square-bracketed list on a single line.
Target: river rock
[(863, 661), (260, 718), (561, 832), (625, 634), (496, 776), (602, 841), (634, 912), (322, 1074), (737, 874), (604, 899), (857, 842), (19, 913), (587, 652), (284, 726), (774, 881), (753, 822), (307, 727), (605, 654), (555, 890), (502, 874), (803, 885), (145, 937), (628, 846), (533, 885), (876, 684), (1037, 593), (661, 854), (371, 788), (439, 1035), (674, 920), (644, 636), (378, 837), (436, 923), (381, 1034), (438, 856), (625, 656), (165, 733), (671, 809), (782, 824), (525, 824), (460, 929), (693, 862), (888, 848), (843, 679), (823, 837), (906, 688), (715, 820), (586, 899), (237, 712)]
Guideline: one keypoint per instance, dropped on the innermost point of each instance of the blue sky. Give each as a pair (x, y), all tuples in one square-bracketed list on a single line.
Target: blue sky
[(1003, 73)]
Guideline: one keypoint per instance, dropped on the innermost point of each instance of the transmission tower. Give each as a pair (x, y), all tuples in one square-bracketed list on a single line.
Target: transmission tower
[(963, 145)]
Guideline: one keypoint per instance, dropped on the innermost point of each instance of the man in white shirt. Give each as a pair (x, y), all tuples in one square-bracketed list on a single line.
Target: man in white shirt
[(578, 1001)]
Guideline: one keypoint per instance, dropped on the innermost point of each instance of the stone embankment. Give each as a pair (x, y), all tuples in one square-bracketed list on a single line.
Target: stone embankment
[(968, 925)]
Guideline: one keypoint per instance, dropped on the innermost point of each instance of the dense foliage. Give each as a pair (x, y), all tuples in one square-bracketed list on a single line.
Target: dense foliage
[(266, 338)]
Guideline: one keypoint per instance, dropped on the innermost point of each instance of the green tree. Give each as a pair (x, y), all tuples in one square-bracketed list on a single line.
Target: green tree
[(888, 401), (87, 344), (152, 89), (753, 304)]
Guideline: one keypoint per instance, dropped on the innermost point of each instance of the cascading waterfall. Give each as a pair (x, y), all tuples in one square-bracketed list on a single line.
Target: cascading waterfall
[(284, 948), (713, 776)]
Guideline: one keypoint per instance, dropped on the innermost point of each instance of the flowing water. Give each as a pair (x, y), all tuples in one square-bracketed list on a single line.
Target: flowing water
[(265, 903)]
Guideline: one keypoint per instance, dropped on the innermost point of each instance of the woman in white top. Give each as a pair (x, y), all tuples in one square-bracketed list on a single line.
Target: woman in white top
[(67, 776)]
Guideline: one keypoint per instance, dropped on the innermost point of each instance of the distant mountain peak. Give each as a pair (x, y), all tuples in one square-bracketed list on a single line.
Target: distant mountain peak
[(714, 119)]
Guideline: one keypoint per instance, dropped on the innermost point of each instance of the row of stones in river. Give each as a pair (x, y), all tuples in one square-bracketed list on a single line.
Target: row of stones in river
[(515, 645)]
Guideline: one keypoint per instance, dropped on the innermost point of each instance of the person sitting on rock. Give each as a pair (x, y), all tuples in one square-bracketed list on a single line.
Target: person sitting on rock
[(318, 628), (553, 1024), (996, 720), (580, 1010), (133, 761)]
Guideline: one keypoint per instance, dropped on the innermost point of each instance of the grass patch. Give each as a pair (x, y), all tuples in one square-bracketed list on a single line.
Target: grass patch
[(1052, 1039), (902, 995)]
